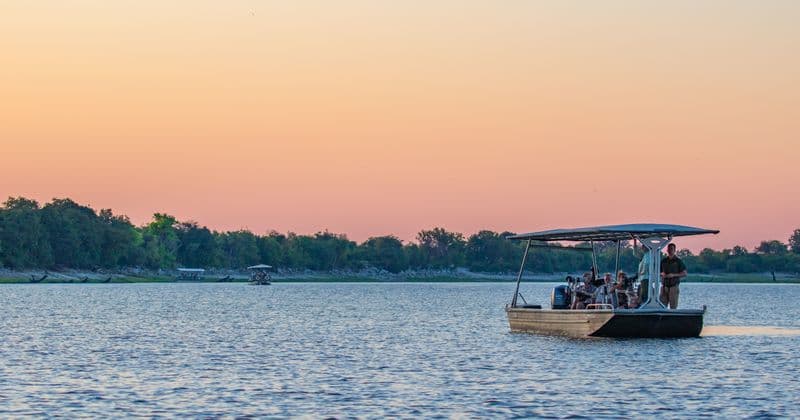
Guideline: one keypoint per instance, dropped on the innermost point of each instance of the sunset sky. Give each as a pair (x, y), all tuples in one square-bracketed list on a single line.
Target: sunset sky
[(387, 117)]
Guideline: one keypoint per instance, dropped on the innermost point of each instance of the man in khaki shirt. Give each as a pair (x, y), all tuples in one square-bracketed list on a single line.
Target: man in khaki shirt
[(672, 270)]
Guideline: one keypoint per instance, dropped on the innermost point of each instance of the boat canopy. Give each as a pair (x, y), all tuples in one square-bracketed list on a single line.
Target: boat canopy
[(259, 267), (614, 233), (191, 270)]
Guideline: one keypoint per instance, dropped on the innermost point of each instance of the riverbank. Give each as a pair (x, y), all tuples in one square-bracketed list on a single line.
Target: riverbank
[(365, 276)]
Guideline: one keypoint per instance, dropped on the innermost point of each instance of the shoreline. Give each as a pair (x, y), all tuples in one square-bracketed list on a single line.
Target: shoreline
[(457, 276)]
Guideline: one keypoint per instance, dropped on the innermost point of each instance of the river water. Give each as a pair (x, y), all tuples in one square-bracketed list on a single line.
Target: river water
[(369, 350)]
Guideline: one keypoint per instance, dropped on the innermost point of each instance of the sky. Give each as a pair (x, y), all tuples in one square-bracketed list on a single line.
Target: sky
[(382, 117)]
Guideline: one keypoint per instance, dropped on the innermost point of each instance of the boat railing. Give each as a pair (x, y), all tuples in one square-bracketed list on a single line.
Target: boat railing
[(599, 306)]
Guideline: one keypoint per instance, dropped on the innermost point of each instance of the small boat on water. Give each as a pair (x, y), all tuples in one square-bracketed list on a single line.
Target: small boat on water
[(259, 274), (190, 274), (650, 318)]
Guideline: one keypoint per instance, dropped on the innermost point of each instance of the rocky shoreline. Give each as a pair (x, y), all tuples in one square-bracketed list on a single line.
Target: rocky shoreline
[(136, 275), (133, 275)]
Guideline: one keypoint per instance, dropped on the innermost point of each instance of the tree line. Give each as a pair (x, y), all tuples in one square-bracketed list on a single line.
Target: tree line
[(64, 234)]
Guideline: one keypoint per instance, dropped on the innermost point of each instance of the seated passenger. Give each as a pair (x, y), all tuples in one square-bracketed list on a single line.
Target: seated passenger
[(622, 289), (603, 294), (584, 293), (608, 284)]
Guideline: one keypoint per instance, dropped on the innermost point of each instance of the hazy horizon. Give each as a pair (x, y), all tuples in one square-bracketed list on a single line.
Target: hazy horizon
[(371, 118)]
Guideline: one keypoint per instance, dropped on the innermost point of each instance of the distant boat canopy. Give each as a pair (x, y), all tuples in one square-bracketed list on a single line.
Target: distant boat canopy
[(190, 273), (259, 267), (614, 233)]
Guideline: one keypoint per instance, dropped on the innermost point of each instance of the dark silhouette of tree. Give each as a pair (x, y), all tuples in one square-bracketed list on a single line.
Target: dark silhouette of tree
[(160, 242), (75, 233), (197, 246), (120, 241), (238, 249), (23, 239), (440, 248), (490, 251), (65, 234), (771, 248), (794, 241), (384, 252)]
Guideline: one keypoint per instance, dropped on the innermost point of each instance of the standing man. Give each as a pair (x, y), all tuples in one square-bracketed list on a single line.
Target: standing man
[(672, 270)]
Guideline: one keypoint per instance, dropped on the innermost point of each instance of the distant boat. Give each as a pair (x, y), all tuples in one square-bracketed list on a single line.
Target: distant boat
[(190, 274), (649, 319), (259, 274)]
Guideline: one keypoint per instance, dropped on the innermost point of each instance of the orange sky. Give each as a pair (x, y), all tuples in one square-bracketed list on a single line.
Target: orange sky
[(378, 117)]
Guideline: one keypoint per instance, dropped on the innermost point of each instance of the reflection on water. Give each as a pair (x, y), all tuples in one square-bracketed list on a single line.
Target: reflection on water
[(368, 350), (712, 330)]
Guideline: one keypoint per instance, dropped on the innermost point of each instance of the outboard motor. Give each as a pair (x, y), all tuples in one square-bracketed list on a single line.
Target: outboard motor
[(559, 297)]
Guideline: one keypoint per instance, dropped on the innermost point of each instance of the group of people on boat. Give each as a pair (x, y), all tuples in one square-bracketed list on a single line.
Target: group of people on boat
[(260, 277), (625, 292), (599, 292)]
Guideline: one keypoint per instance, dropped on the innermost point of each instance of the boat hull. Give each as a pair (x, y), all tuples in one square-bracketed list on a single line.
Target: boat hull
[(636, 323), (654, 324)]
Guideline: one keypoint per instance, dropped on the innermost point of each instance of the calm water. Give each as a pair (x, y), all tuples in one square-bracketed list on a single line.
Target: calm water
[(372, 350)]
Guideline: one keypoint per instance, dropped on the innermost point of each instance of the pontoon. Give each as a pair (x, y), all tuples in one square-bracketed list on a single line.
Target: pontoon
[(649, 319)]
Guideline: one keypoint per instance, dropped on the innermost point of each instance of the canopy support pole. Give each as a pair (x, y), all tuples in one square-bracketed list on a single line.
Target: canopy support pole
[(519, 276), (616, 265), (654, 245), (594, 261)]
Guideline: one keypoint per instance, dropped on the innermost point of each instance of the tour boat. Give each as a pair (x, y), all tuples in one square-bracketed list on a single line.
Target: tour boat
[(259, 274), (650, 319)]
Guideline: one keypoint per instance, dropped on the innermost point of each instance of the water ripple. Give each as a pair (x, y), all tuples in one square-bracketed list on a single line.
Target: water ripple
[(376, 350)]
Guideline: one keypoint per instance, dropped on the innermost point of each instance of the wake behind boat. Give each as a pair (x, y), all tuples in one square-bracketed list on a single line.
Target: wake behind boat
[(649, 318)]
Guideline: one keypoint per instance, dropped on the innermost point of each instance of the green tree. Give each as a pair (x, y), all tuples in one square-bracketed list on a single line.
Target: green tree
[(24, 239), (384, 252), (65, 234), (491, 251), (794, 241), (739, 251), (75, 233), (120, 243), (330, 251), (771, 248), (742, 264), (270, 248), (440, 248), (413, 255), (160, 242), (196, 245), (296, 254), (239, 249), (711, 259)]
